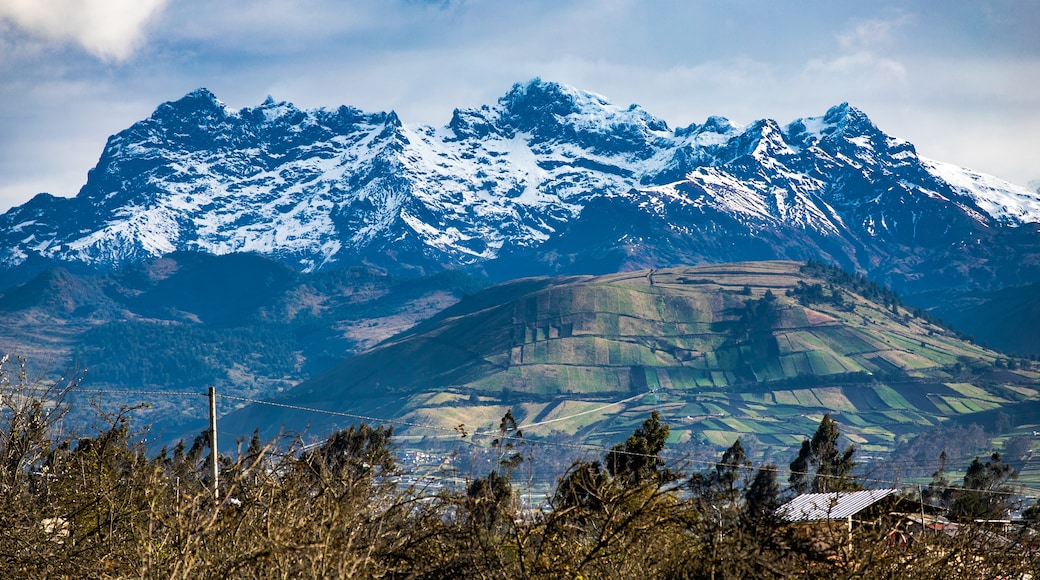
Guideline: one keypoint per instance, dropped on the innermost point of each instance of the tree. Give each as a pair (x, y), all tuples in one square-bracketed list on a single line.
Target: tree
[(722, 482), (939, 491), (354, 454), (30, 411), (819, 466), (510, 439), (762, 496), (582, 486), (636, 460), (800, 479), (1032, 513), (985, 494), (489, 497), (1018, 448)]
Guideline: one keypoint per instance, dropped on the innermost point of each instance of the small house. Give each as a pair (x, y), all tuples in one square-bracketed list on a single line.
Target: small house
[(852, 508)]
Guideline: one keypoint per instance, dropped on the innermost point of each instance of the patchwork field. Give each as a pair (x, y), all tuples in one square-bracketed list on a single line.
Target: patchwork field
[(721, 352)]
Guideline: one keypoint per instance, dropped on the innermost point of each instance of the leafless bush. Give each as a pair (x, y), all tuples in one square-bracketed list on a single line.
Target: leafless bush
[(100, 507)]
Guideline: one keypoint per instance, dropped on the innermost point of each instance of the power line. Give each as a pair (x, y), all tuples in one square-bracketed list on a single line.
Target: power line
[(590, 411), (587, 447), (427, 426), (77, 390), (377, 420), (507, 437)]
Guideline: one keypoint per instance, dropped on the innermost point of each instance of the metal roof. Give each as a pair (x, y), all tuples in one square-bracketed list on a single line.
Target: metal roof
[(812, 507)]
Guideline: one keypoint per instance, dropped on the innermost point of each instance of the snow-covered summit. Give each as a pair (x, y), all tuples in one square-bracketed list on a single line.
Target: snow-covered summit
[(1008, 203), (324, 187)]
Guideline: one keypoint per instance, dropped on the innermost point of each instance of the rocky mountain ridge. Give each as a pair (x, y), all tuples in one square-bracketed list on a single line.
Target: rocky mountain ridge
[(550, 179)]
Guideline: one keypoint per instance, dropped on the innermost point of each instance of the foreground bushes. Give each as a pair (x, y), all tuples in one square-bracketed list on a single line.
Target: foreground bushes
[(100, 507)]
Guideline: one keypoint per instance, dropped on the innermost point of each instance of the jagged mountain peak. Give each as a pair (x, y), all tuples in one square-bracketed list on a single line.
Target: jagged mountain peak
[(845, 114), (201, 109), (551, 97), (472, 123), (200, 96), (539, 106), (717, 124), (198, 103), (280, 112), (840, 121), (331, 187)]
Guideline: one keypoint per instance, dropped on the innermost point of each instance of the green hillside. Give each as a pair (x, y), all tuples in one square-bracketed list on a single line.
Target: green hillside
[(245, 324), (760, 349)]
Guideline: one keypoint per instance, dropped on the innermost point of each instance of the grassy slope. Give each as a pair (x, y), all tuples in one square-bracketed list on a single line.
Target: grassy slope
[(558, 351), (245, 324)]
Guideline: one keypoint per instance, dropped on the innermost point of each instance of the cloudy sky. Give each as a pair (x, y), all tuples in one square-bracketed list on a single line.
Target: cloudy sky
[(958, 78)]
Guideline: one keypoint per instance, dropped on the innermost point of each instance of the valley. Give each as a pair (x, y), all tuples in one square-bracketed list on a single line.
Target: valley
[(345, 290), (720, 352), (578, 262)]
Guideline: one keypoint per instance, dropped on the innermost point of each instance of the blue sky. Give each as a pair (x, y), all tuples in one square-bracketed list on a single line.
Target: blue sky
[(959, 79)]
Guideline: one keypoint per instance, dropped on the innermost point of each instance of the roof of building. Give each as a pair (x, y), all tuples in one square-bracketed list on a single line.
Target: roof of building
[(811, 507)]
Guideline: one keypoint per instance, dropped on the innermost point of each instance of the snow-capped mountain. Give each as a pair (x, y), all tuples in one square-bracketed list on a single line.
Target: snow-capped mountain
[(835, 188), (549, 177)]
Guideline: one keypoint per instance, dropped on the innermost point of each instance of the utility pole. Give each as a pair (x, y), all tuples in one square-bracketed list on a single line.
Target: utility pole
[(920, 493), (213, 439)]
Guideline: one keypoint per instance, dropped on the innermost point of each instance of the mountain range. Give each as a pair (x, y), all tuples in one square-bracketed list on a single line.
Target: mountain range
[(341, 259), (548, 180)]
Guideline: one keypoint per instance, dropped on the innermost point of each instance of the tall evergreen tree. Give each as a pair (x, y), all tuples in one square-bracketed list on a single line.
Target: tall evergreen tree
[(801, 475), (820, 467), (723, 481), (762, 496), (636, 460)]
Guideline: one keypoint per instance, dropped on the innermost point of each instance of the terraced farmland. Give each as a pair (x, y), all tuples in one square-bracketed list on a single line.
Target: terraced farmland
[(721, 351)]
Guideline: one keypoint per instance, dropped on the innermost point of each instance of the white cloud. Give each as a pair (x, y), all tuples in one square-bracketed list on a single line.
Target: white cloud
[(862, 68), (957, 77), (108, 29), (872, 33), (863, 59)]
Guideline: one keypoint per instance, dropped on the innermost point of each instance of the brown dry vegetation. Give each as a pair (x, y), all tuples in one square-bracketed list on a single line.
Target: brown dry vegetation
[(100, 507)]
